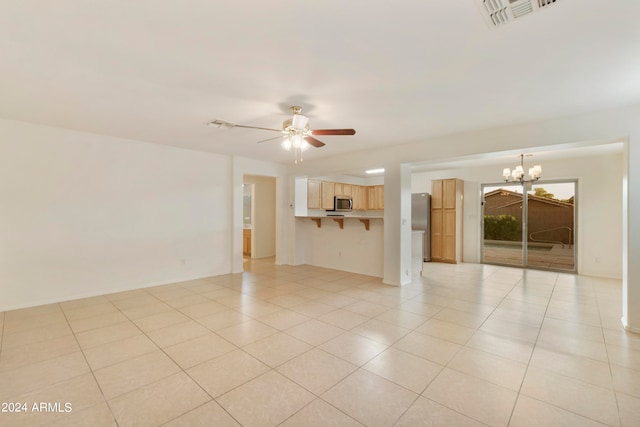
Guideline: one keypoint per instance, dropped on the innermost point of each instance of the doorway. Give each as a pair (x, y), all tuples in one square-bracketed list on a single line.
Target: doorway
[(545, 219), (247, 219), (259, 217)]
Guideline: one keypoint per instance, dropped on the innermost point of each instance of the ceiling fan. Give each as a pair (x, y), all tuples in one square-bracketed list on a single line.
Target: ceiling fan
[(295, 131)]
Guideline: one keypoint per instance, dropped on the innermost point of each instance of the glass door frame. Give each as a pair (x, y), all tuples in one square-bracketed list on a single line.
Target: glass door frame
[(526, 187)]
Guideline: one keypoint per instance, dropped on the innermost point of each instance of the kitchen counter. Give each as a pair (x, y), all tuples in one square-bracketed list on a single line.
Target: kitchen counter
[(347, 216), (340, 219)]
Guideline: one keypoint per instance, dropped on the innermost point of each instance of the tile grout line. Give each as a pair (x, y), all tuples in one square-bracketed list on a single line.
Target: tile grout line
[(443, 366), (606, 349), (313, 347), (533, 349), (176, 363), (143, 333), (310, 403), (478, 329), (463, 345), (271, 369), (531, 357), (184, 370), (93, 375)]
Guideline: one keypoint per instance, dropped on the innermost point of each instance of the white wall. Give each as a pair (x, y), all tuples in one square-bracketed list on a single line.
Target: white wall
[(84, 214), (397, 251), (301, 187), (349, 179), (599, 207)]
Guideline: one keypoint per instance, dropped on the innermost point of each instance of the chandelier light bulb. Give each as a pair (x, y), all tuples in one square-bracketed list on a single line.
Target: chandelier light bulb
[(535, 172), (518, 172)]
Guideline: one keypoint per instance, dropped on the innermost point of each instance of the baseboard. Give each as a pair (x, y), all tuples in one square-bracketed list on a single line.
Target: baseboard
[(629, 328)]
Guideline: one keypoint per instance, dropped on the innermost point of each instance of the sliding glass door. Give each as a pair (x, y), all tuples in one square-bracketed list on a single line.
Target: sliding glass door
[(545, 220), (502, 220), (551, 226)]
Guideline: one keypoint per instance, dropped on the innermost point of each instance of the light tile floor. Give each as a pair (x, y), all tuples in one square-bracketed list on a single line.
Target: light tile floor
[(302, 346)]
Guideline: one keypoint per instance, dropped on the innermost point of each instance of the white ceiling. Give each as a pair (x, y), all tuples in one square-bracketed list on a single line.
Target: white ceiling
[(397, 72)]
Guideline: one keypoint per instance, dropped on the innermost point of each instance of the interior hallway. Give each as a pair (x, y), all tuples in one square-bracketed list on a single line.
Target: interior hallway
[(299, 346)]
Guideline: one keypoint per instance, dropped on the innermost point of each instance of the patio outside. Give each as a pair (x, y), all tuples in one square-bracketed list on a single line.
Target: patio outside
[(553, 256)]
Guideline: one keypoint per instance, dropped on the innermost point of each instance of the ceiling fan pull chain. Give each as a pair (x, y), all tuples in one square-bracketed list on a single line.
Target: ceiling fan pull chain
[(298, 155)]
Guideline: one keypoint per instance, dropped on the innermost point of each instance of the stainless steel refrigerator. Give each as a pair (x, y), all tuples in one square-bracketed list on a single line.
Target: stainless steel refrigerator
[(421, 219)]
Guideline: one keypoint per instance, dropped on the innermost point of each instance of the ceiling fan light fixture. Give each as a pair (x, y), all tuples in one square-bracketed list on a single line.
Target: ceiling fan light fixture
[(295, 130), (299, 122), (286, 144), (298, 142)]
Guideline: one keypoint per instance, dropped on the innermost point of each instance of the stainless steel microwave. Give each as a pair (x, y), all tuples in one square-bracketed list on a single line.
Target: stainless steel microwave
[(342, 204)]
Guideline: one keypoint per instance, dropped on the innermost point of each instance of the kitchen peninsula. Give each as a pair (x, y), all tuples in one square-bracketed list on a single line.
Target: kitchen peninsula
[(350, 241)]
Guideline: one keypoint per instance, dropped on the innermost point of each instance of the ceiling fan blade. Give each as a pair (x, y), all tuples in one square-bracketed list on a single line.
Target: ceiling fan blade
[(333, 132), (270, 139), (315, 142), (257, 127), (220, 123)]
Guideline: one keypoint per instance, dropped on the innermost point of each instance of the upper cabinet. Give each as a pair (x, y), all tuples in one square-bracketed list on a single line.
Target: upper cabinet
[(359, 195), (320, 195), (375, 197), (314, 194), (341, 189), (328, 191), (436, 194)]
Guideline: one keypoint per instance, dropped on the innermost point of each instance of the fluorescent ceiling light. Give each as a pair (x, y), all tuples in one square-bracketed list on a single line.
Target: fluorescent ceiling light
[(371, 171)]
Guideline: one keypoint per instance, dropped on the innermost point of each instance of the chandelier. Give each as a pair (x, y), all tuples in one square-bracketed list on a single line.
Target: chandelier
[(517, 174)]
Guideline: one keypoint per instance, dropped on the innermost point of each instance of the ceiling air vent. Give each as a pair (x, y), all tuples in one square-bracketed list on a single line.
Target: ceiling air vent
[(500, 12)]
